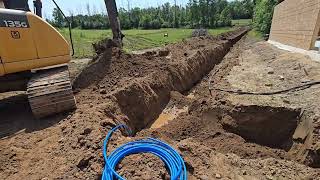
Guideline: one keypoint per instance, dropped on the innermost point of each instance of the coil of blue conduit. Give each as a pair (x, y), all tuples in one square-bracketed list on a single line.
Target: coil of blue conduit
[(173, 161)]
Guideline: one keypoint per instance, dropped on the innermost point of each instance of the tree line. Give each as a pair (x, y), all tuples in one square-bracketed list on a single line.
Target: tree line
[(196, 14), (263, 13)]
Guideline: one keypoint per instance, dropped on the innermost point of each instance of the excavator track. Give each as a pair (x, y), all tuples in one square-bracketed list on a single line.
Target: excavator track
[(50, 92)]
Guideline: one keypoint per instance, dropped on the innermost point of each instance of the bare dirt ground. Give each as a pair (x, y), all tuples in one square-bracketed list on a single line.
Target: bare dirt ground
[(166, 94), (76, 66), (248, 136)]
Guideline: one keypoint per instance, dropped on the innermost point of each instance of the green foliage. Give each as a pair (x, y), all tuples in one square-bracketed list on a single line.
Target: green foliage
[(263, 15), (196, 14), (124, 19), (216, 13), (255, 34), (58, 20), (225, 17), (242, 9), (96, 21), (213, 13), (145, 22)]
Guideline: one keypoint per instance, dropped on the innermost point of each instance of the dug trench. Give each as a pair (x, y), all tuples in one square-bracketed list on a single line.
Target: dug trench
[(201, 122), (144, 99), (153, 105), (162, 94), (251, 131)]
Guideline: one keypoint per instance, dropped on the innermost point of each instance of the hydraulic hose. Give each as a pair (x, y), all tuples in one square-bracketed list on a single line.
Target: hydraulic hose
[(165, 152)]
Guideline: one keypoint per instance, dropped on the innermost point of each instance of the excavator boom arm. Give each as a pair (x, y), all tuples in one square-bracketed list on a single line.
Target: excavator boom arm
[(114, 21)]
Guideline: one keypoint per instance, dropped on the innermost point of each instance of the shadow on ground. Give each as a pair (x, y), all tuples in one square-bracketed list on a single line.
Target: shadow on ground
[(16, 116)]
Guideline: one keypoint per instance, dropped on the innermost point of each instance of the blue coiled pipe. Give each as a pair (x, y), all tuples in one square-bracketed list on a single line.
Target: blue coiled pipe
[(165, 152)]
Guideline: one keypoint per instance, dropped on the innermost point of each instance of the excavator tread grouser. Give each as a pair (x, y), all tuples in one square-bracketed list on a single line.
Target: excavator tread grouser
[(50, 92), (34, 57)]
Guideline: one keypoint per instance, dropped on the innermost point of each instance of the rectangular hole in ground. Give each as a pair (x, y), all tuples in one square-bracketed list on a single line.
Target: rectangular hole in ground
[(267, 126)]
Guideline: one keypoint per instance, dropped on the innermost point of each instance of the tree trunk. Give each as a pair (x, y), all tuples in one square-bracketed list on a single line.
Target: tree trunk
[(114, 21)]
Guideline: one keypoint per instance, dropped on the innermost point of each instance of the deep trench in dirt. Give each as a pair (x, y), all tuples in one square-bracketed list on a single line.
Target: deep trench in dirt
[(268, 130), (146, 98), (268, 126), (146, 103)]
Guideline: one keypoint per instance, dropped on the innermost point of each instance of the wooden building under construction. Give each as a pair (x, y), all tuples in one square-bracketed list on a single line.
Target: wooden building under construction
[(296, 23)]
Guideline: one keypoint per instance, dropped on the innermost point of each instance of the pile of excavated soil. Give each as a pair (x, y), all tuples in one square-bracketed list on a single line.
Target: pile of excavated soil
[(144, 81), (211, 133)]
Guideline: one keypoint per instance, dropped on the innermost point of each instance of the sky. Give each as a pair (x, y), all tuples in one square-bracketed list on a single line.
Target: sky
[(79, 6)]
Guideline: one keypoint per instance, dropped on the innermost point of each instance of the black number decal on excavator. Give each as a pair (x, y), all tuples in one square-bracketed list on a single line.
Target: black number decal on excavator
[(13, 20), (15, 24)]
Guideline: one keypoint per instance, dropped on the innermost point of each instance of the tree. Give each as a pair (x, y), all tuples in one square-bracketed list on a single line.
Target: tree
[(58, 20), (213, 13), (135, 17), (203, 13), (248, 9), (194, 13), (145, 22), (225, 17), (263, 15), (124, 19)]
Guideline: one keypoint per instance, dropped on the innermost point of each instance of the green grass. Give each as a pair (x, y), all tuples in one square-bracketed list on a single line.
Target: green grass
[(242, 22), (219, 30), (135, 39), (255, 34), (83, 39)]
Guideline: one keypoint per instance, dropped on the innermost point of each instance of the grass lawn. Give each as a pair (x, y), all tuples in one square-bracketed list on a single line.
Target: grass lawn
[(135, 39), (255, 34), (242, 22)]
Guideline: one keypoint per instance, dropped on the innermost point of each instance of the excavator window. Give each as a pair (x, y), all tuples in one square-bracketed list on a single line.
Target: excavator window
[(17, 4), (2, 4)]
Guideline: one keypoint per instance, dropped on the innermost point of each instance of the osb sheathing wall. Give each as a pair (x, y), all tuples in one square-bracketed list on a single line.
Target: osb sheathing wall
[(296, 23)]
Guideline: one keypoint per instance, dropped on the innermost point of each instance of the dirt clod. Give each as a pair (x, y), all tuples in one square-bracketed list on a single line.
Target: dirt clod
[(83, 161), (218, 176), (103, 91), (86, 131), (164, 53)]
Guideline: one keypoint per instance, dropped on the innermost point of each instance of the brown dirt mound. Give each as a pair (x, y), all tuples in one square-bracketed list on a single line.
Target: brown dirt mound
[(145, 81)]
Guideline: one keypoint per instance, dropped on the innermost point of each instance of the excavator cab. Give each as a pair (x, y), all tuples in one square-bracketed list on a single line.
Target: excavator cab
[(17, 5), (22, 5)]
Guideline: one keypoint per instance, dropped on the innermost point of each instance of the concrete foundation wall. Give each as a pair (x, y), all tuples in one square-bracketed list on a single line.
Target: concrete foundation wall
[(296, 23)]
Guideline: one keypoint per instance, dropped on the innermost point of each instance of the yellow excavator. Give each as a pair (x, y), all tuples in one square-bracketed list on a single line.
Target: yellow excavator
[(34, 56)]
